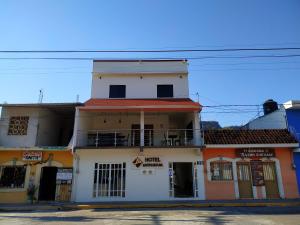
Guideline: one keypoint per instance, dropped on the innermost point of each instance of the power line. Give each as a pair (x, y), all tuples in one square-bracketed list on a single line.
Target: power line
[(189, 58), (154, 51)]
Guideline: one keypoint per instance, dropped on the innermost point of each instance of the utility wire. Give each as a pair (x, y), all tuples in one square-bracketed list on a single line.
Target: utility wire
[(153, 51)]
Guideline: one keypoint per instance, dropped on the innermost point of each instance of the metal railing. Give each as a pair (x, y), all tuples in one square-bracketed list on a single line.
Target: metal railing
[(133, 137)]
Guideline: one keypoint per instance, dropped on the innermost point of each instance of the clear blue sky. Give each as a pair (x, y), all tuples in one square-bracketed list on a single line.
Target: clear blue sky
[(143, 24)]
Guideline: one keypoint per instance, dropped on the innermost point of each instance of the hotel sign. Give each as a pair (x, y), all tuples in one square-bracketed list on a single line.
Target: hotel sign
[(255, 153), (147, 161), (32, 156)]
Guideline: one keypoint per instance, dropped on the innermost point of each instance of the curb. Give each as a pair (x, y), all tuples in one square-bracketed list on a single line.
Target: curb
[(182, 205), (66, 207)]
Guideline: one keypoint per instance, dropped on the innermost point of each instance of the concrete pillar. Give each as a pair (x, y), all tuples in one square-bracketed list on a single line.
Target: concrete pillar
[(196, 131), (142, 127)]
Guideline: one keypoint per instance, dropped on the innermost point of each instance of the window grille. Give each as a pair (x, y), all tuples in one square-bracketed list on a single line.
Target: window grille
[(221, 170), (12, 176), (109, 180), (18, 125)]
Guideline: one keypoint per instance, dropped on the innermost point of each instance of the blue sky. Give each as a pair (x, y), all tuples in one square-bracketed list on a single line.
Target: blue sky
[(142, 24)]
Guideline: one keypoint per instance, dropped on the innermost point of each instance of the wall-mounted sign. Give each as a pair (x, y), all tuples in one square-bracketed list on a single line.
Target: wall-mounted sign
[(32, 156), (255, 152), (257, 172), (147, 161), (64, 175)]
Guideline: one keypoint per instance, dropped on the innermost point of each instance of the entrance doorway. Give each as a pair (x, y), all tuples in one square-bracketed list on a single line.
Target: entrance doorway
[(183, 180), (270, 180), (47, 184), (244, 180)]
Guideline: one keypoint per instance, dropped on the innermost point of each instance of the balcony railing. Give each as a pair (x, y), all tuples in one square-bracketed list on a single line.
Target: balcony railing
[(138, 137)]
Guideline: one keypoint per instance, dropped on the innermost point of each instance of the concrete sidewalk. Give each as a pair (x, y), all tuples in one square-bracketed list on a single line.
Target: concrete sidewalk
[(155, 204)]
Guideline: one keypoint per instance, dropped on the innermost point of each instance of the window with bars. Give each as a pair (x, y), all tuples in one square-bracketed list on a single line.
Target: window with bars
[(12, 176), (18, 125), (109, 180), (221, 170)]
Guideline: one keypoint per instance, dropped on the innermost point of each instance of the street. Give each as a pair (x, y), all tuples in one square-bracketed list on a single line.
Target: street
[(213, 215)]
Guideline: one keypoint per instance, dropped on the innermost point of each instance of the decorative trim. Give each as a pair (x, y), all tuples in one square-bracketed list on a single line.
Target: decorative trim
[(284, 145)]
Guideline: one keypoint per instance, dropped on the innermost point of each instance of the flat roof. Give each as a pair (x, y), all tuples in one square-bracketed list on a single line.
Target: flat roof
[(70, 104), (141, 60)]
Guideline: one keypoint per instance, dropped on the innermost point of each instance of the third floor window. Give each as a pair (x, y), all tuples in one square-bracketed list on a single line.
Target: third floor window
[(165, 91), (117, 91)]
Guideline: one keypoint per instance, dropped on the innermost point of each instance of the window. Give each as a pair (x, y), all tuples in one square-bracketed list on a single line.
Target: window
[(164, 90), (18, 125), (12, 176), (117, 91), (221, 170), (109, 180)]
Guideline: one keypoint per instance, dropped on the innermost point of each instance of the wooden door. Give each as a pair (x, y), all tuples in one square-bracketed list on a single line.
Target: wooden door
[(270, 178), (148, 134), (244, 180), (63, 192)]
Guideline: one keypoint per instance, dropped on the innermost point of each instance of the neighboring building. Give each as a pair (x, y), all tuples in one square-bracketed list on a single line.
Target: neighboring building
[(34, 147), (286, 117), (138, 137), (247, 164)]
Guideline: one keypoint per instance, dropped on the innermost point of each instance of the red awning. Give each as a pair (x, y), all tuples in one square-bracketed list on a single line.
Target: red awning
[(183, 105)]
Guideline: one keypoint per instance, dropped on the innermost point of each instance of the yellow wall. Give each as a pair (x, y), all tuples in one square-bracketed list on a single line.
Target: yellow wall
[(19, 195)]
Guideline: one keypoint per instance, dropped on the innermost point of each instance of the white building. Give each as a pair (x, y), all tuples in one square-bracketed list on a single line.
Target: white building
[(138, 137)]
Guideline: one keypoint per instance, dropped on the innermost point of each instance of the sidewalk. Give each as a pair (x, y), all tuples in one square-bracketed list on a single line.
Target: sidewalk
[(54, 206)]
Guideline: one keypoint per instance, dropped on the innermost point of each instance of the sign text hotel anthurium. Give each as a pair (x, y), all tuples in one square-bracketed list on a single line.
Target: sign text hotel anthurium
[(255, 153), (147, 161), (32, 156)]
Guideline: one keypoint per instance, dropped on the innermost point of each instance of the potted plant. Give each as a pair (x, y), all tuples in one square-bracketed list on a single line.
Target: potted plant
[(31, 190)]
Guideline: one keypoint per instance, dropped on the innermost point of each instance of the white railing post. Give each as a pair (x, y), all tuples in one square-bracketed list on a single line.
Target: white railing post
[(150, 139), (97, 138), (142, 127), (115, 138), (185, 138), (167, 138)]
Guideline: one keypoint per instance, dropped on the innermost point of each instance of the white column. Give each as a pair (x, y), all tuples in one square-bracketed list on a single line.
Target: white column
[(75, 130), (235, 180), (196, 132), (201, 184), (142, 127)]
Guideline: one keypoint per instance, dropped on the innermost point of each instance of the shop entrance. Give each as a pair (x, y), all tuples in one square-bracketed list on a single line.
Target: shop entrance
[(47, 184), (270, 180), (244, 180), (183, 179)]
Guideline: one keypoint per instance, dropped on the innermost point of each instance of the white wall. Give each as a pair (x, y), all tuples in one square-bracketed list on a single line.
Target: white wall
[(138, 67), (139, 187), (19, 140), (274, 120), (140, 88)]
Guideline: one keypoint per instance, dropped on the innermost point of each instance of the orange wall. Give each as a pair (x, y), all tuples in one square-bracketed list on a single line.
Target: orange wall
[(225, 189), (20, 195), (218, 189), (288, 174)]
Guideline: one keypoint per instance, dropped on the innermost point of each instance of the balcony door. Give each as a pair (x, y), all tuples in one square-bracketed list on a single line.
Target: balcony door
[(136, 131)]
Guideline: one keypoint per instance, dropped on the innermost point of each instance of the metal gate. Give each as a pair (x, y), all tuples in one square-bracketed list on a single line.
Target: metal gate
[(270, 178), (244, 180)]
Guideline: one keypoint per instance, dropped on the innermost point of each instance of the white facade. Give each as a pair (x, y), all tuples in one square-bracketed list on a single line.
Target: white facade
[(140, 78), (139, 186), (96, 135), (274, 120)]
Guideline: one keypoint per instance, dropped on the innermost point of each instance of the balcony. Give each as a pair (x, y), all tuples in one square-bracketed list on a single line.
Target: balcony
[(137, 137)]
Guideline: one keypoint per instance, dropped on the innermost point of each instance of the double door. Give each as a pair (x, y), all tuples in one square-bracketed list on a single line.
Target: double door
[(245, 181)]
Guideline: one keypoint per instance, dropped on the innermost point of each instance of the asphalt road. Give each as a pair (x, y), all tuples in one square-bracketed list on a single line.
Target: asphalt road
[(214, 216)]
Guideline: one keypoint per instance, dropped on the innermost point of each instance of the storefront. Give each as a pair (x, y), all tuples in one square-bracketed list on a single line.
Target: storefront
[(263, 170), (130, 175), (46, 171)]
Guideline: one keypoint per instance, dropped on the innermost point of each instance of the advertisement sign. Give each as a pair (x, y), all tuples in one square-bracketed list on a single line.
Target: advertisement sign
[(32, 156), (255, 153), (64, 175), (257, 173)]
